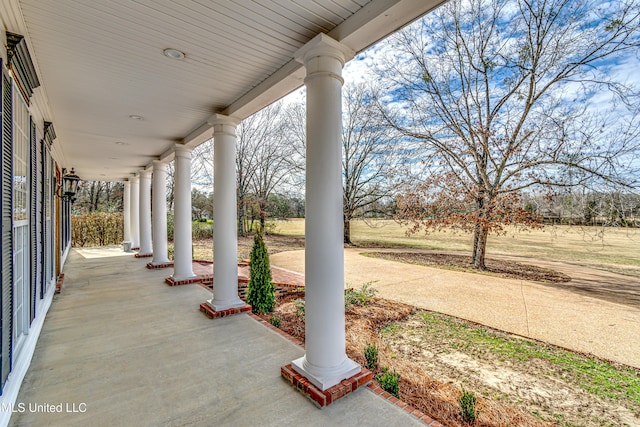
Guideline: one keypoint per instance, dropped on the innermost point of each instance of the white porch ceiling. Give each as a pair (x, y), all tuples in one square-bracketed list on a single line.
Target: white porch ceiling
[(102, 61)]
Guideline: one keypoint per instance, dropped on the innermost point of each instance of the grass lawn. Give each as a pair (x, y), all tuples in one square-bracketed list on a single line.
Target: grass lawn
[(613, 249)]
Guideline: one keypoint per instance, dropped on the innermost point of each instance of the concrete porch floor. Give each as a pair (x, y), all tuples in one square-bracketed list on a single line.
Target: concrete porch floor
[(122, 348)]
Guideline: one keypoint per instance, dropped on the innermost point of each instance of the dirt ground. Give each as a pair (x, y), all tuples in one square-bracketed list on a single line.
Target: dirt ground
[(203, 248), (535, 385), (500, 268)]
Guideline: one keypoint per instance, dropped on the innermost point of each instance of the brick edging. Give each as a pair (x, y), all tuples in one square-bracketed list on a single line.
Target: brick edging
[(291, 338), (375, 388)]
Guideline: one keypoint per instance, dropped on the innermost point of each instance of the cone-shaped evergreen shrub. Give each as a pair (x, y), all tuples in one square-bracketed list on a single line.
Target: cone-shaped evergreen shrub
[(261, 295)]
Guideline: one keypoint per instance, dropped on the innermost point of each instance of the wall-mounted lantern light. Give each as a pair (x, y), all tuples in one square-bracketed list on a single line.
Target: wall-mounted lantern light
[(69, 187)]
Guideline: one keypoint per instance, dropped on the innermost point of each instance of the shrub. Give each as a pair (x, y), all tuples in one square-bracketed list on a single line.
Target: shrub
[(275, 321), (299, 306), (270, 227), (97, 229), (468, 405), (389, 381), (261, 294), (362, 296), (371, 355), (202, 230)]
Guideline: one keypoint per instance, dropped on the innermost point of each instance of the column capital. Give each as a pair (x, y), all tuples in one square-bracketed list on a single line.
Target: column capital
[(221, 119), (183, 151), (159, 165), (145, 173), (223, 124), (323, 46), (134, 178)]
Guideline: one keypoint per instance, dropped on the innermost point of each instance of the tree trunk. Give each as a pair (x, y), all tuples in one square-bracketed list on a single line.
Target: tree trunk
[(347, 231), (96, 194), (241, 218), (476, 239), (480, 237), (263, 214), (480, 233)]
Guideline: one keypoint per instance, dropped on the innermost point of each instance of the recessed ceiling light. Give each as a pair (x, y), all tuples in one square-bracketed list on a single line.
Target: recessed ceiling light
[(173, 53), (120, 143), (136, 117)]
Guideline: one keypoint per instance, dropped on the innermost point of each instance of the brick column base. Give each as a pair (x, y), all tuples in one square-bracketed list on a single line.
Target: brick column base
[(322, 398), (212, 314)]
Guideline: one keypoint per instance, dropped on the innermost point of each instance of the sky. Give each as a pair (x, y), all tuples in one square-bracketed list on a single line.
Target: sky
[(625, 68)]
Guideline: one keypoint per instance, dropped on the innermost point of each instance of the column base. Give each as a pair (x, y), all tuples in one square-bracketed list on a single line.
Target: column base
[(153, 265), (325, 378), (182, 280), (323, 398), (208, 311), (139, 255), (225, 305)]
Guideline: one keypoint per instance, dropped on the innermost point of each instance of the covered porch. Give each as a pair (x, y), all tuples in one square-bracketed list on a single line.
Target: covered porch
[(132, 86), (120, 347)]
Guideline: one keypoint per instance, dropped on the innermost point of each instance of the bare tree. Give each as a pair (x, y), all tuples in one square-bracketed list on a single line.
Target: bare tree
[(370, 152), (249, 131), (263, 163), (201, 171), (368, 156), (100, 196), (505, 95), (295, 128), (171, 185), (272, 156)]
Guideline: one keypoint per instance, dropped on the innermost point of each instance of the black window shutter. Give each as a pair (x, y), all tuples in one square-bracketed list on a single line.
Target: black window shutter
[(6, 303), (33, 231), (42, 245)]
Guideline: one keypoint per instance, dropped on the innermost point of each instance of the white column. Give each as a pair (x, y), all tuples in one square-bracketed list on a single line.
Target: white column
[(145, 213), (182, 250), (225, 239), (159, 213), (325, 362), (135, 212), (126, 211)]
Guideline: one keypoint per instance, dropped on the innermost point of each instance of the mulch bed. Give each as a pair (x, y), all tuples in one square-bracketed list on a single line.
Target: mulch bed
[(417, 388)]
